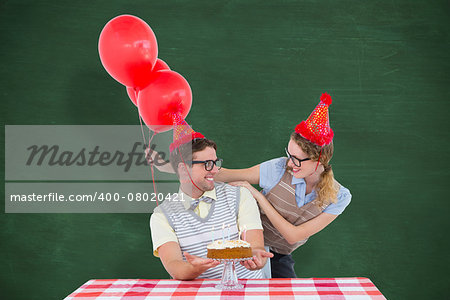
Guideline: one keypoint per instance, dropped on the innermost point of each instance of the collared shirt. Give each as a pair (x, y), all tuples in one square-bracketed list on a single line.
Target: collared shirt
[(270, 173), (162, 232)]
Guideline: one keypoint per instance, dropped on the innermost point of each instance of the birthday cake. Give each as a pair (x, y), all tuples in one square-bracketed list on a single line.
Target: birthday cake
[(223, 249)]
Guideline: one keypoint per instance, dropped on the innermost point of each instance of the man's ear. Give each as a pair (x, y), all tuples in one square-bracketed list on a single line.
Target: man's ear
[(181, 168), (183, 172)]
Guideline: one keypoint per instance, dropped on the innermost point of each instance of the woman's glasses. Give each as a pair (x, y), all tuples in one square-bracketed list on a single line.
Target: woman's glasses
[(296, 161)]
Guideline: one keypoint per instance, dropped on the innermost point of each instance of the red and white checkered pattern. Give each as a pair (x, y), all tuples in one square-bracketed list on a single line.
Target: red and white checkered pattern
[(286, 288)]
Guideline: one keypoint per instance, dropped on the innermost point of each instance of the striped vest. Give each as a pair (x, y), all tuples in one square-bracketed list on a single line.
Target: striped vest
[(282, 198), (195, 233)]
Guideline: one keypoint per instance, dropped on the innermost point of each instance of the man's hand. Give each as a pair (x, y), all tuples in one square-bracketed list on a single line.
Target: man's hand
[(258, 260), (151, 155), (153, 158), (180, 269), (199, 263)]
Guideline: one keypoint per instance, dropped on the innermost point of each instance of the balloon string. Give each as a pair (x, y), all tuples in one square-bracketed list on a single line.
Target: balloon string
[(318, 161), (151, 161), (188, 172), (150, 138), (151, 168), (142, 130), (177, 121)]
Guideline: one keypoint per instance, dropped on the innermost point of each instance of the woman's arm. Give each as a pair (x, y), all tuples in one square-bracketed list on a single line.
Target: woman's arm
[(290, 232), (250, 175)]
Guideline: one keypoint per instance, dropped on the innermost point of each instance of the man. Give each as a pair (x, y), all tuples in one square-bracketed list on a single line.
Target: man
[(181, 230)]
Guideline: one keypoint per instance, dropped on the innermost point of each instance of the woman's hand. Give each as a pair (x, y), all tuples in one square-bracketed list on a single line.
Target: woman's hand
[(247, 185), (259, 197)]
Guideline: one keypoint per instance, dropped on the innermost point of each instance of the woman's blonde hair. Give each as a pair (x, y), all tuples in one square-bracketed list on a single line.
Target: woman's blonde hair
[(327, 187)]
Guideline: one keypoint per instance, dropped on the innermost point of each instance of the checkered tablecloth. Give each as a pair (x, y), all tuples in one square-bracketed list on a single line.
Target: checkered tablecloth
[(286, 288)]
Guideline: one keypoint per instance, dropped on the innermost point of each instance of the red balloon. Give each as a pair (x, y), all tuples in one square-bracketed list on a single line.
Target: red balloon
[(167, 95), (160, 65), (128, 50), (132, 93)]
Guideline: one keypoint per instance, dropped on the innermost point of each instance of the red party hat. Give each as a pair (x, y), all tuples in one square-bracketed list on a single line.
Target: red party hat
[(317, 127), (182, 133)]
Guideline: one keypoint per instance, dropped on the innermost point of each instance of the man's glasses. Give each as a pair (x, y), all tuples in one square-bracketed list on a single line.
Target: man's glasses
[(296, 161), (209, 164)]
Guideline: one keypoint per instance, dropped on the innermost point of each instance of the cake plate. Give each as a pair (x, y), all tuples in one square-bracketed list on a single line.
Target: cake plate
[(229, 277)]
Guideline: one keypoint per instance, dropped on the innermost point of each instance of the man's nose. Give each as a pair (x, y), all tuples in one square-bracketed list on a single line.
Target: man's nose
[(214, 170)]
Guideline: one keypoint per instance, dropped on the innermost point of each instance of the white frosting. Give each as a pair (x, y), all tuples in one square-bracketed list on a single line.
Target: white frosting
[(220, 244)]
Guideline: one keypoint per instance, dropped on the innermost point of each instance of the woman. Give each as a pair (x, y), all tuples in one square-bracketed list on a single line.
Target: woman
[(300, 196)]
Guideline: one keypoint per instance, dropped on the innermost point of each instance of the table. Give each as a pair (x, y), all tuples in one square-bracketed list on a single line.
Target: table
[(275, 288)]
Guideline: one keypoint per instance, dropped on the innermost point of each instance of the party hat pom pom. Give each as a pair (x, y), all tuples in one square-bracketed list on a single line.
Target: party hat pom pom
[(325, 99)]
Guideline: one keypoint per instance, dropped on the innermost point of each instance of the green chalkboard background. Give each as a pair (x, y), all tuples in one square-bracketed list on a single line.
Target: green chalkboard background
[(256, 69)]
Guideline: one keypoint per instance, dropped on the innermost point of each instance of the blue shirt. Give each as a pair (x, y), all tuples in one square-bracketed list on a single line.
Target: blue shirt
[(270, 173)]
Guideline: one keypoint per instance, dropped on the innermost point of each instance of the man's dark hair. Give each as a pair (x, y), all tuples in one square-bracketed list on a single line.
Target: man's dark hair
[(187, 150)]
